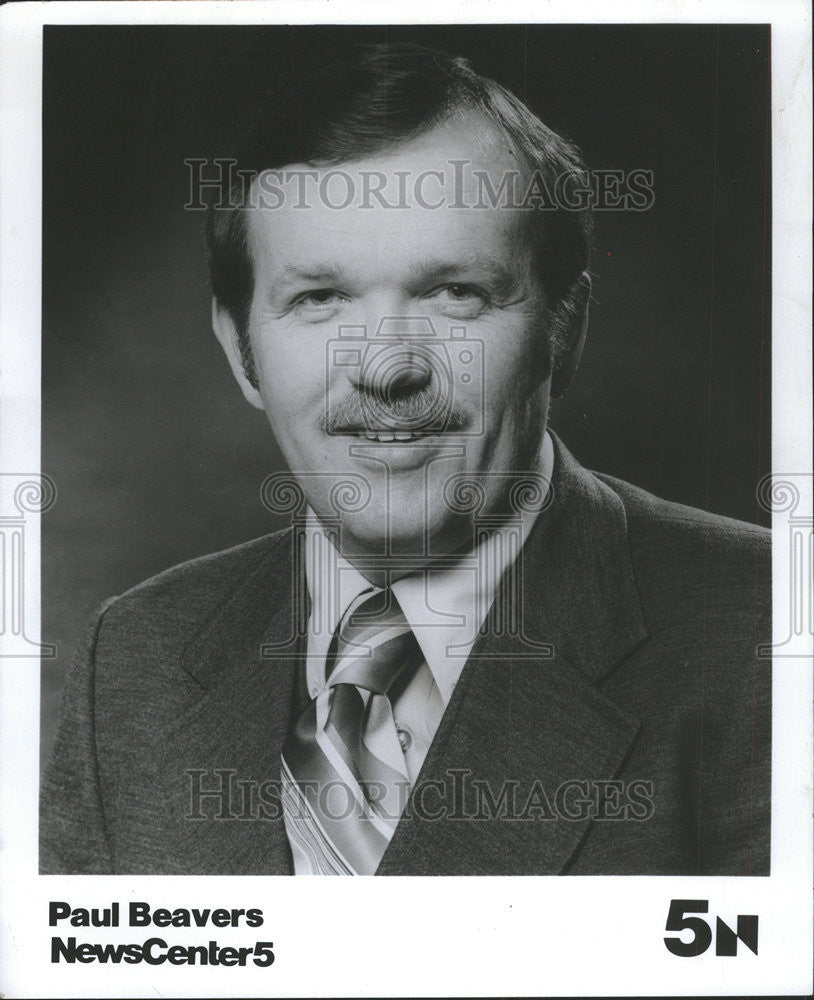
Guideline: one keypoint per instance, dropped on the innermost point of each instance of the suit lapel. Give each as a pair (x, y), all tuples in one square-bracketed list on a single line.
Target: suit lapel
[(498, 792), (245, 660)]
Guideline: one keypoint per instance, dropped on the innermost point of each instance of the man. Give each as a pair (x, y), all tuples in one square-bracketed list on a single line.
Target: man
[(468, 655)]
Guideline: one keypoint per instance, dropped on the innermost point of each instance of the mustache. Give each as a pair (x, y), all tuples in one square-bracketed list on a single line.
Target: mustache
[(417, 411)]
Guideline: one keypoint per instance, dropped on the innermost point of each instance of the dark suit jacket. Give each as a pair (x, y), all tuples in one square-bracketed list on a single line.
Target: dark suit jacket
[(635, 665)]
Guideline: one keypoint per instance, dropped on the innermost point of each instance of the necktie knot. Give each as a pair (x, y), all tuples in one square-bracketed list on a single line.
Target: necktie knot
[(373, 645)]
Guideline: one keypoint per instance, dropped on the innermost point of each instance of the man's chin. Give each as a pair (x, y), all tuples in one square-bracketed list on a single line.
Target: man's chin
[(409, 540)]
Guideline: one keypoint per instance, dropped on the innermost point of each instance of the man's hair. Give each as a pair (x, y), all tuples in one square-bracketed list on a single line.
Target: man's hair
[(373, 99)]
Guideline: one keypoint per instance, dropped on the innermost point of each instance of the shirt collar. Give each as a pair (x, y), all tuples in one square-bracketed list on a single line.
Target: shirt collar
[(445, 607)]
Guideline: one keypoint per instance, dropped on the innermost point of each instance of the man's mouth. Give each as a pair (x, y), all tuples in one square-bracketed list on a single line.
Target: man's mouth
[(388, 437)]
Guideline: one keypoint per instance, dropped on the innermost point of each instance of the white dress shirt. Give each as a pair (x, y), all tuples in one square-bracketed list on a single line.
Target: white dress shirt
[(445, 608)]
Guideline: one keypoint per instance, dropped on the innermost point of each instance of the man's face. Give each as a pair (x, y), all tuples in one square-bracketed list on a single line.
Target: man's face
[(402, 349)]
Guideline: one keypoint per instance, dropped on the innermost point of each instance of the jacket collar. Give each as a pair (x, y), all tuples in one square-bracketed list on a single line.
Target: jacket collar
[(578, 586)]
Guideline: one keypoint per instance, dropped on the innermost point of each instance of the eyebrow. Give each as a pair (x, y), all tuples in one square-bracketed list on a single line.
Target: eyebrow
[(439, 269), (431, 270), (328, 271)]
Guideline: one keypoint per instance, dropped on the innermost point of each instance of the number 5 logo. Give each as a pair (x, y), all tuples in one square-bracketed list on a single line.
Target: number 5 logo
[(677, 920), (682, 916)]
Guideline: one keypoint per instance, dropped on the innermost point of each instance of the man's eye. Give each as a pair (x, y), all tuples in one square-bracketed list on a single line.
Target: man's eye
[(319, 298), (461, 298), (462, 293)]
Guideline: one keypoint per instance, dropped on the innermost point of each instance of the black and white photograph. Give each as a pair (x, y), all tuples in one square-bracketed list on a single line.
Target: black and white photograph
[(552, 671), (420, 489)]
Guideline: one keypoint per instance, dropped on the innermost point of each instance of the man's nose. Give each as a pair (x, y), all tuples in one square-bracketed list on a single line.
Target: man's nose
[(398, 360)]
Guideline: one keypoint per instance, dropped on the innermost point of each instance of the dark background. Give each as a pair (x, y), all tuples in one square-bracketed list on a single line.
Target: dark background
[(155, 455)]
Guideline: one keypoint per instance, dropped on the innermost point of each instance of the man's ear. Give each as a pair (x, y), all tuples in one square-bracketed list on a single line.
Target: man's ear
[(226, 332), (575, 339)]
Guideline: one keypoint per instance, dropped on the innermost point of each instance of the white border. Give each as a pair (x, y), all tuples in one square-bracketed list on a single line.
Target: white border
[(418, 936)]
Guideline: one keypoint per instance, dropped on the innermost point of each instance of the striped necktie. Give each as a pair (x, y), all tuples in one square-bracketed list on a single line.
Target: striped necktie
[(344, 780)]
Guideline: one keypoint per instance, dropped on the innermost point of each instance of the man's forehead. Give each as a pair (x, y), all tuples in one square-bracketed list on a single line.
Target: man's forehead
[(445, 166), (439, 187)]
